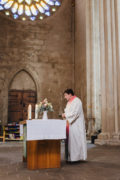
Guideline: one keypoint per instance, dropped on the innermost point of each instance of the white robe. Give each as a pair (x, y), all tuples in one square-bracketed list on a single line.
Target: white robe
[(77, 147)]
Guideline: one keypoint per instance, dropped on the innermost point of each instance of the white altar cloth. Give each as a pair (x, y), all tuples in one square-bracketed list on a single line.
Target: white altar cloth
[(46, 129)]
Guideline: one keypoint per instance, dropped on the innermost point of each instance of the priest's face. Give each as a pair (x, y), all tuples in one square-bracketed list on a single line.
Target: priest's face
[(67, 96)]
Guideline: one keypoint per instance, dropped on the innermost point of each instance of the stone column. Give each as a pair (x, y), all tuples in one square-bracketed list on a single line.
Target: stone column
[(87, 61), (93, 66), (117, 15), (97, 65), (110, 68)]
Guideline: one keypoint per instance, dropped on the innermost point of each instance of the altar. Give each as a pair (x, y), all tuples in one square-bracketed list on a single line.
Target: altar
[(42, 142)]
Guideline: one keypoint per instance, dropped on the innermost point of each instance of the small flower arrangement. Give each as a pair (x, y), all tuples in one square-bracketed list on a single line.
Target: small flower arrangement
[(45, 106)]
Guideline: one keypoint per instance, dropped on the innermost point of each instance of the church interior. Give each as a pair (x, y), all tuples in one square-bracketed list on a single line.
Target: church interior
[(46, 48)]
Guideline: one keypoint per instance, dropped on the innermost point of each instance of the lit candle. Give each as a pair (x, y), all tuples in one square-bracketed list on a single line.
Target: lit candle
[(30, 111), (36, 111)]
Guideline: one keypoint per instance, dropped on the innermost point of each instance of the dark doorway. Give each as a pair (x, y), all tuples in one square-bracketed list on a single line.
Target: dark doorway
[(18, 101)]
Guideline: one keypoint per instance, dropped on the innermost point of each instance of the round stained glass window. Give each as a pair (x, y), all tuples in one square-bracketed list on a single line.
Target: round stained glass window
[(29, 9)]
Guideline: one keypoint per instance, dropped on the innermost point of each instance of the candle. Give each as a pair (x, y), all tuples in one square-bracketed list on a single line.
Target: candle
[(30, 111), (36, 111)]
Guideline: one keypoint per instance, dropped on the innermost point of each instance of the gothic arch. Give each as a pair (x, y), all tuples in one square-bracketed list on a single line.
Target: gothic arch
[(7, 84), (29, 71), (22, 80)]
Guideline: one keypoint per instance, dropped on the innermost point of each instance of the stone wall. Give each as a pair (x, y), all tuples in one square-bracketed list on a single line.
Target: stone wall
[(44, 50)]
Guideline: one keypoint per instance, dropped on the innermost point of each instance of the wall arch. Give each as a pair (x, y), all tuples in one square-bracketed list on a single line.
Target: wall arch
[(9, 78), (22, 81)]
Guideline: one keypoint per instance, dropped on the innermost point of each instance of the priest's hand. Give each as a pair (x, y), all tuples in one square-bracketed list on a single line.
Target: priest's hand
[(63, 115), (67, 122)]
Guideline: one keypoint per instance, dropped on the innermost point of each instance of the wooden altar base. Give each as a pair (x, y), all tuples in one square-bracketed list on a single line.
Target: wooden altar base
[(43, 154)]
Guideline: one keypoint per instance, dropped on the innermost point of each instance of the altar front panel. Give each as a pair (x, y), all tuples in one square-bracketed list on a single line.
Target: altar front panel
[(43, 154)]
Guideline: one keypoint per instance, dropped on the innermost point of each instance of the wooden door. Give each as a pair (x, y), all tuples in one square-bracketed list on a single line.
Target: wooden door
[(18, 102)]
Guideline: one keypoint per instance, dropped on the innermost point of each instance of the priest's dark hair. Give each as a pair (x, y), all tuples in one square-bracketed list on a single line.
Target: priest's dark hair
[(69, 91)]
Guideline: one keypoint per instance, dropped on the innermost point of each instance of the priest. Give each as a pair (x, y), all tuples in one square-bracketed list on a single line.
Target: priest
[(77, 147)]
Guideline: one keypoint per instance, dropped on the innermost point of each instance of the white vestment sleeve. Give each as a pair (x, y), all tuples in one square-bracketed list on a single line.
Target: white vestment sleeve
[(72, 115)]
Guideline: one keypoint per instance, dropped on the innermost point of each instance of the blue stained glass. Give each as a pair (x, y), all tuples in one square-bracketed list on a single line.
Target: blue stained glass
[(8, 5), (34, 10), (46, 7), (3, 1), (15, 16), (20, 10), (47, 13), (27, 10), (14, 8), (1, 8), (41, 9), (32, 18), (50, 2), (57, 3)]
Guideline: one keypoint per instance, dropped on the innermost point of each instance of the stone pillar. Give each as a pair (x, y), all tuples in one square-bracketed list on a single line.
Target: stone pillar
[(117, 7), (109, 25), (93, 66), (87, 61), (97, 48)]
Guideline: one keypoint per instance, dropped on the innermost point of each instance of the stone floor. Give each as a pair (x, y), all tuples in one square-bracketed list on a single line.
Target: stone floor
[(103, 163)]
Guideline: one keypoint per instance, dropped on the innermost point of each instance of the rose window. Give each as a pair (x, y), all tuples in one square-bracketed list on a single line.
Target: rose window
[(29, 9)]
